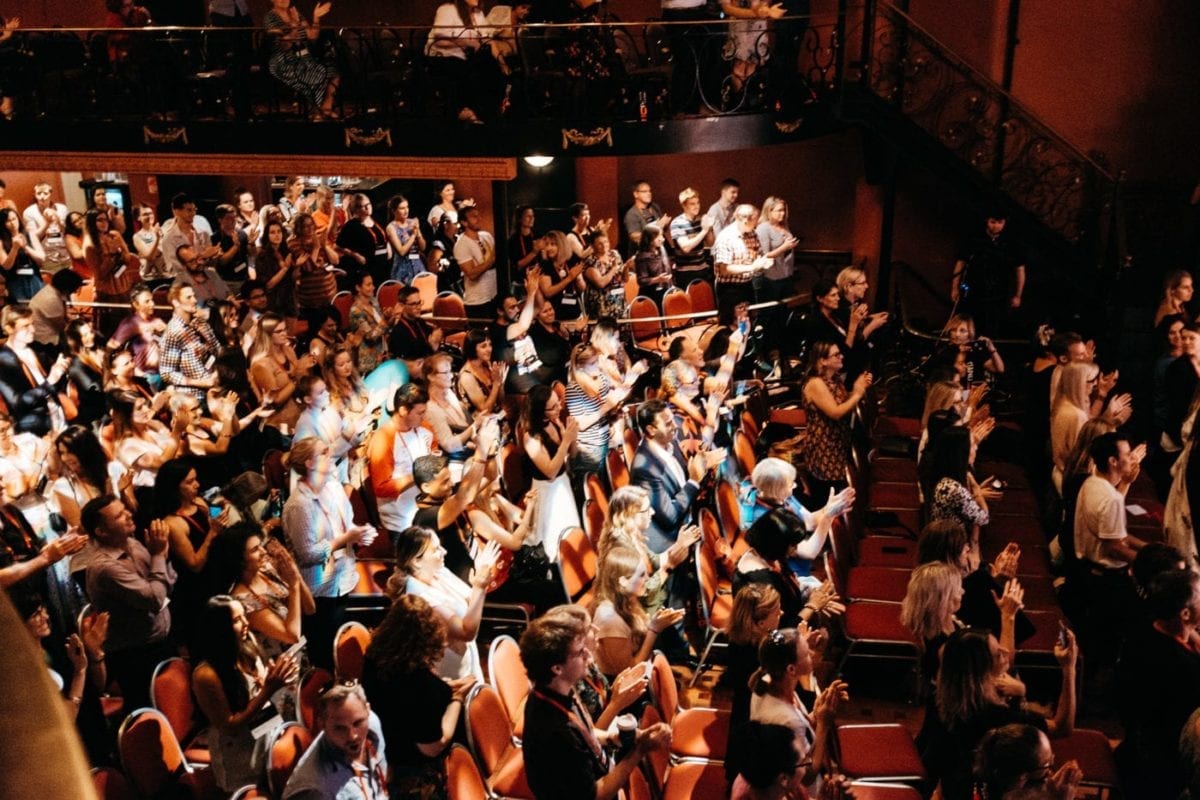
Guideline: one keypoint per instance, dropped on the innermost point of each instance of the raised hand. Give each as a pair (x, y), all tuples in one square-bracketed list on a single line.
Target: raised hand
[(628, 686), (1013, 599), (68, 544), (665, 618), (93, 630), (485, 565), (156, 537)]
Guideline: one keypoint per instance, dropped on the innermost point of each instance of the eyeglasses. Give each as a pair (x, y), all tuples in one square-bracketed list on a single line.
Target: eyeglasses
[(413, 303)]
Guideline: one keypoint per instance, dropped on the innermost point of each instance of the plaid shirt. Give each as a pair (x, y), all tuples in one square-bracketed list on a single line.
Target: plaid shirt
[(188, 351), (734, 247)]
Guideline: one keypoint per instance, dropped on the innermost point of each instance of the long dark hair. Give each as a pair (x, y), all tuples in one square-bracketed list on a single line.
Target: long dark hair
[(89, 224), (950, 458), (166, 486), (227, 555), (218, 645), (93, 462), (535, 409), (5, 235)]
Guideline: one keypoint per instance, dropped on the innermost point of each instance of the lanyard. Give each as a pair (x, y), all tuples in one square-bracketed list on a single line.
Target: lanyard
[(372, 775), (582, 723)]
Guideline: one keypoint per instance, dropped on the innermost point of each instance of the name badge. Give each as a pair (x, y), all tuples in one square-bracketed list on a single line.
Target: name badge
[(381, 251), (120, 271), (211, 361), (25, 271), (570, 300), (240, 267)]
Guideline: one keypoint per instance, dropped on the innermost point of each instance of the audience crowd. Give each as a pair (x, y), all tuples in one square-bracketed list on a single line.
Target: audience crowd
[(233, 478)]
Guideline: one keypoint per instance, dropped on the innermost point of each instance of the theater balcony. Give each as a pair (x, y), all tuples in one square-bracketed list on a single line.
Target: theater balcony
[(613, 88)]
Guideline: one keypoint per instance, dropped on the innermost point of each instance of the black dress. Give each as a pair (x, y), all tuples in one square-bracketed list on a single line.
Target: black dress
[(191, 590), (452, 537), (410, 708)]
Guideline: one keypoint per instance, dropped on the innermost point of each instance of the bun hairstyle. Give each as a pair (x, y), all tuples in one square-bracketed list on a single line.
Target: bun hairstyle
[(776, 653), (298, 457)]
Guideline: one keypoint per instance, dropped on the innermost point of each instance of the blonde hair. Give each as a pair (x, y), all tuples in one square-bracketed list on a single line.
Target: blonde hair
[(620, 528), (301, 453), (1073, 384), (687, 194), (926, 610), (940, 395), (621, 562), (582, 354), (564, 249), (267, 324), (770, 205), (962, 319), (846, 278)]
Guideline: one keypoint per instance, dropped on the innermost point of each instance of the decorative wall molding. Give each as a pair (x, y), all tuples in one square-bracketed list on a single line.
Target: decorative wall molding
[(495, 169)]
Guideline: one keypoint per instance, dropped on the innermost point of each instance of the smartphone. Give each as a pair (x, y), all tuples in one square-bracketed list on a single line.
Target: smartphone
[(214, 511), (1063, 641)]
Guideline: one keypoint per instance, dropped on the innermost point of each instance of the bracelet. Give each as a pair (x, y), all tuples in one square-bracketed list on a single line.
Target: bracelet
[(809, 607)]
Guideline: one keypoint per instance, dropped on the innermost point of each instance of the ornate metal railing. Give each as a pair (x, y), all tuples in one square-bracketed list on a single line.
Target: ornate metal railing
[(979, 123), (611, 71)]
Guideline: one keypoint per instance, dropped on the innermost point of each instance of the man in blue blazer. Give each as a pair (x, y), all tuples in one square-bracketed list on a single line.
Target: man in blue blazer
[(659, 467)]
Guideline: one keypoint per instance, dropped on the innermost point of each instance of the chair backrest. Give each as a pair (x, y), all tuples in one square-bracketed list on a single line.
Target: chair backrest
[(288, 744), (577, 563), (618, 470), (593, 489), (488, 731), (249, 792), (512, 471), (710, 584), (449, 304), (640, 308), (111, 784), (171, 694), (749, 425), (312, 686), (663, 687), (509, 679), (150, 754), (659, 758), (463, 780), (696, 779), (388, 294), (729, 511), (638, 787), (342, 302), (710, 537), (631, 287), (701, 294), (743, 451), (593, 521), (841, 548), (349, 650), (676, 302), (426, 283)]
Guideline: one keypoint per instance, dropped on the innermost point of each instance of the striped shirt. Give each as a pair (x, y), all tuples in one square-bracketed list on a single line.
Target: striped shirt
[(579, 404)]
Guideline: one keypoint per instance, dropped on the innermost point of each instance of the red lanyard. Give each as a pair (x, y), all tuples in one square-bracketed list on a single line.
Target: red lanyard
[(584, 724), (374, 776)]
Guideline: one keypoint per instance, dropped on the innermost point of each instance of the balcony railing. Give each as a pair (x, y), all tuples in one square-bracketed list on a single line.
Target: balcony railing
[(983, 126), (613, 71)]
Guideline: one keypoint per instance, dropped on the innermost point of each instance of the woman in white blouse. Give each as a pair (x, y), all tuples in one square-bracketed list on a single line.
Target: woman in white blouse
[(421, 566)]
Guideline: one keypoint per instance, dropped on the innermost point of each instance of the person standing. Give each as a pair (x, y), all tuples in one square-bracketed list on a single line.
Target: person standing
[(132, 582), (475, 252), (644, 212), (738, 259), (691, 238), (565, 754), (319, 524), (989, 276)]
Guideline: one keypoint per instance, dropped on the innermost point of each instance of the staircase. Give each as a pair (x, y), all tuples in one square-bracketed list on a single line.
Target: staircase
[(913, 92)]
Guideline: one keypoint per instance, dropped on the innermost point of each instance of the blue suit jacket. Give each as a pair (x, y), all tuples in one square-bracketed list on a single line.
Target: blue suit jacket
[(669, 501)]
